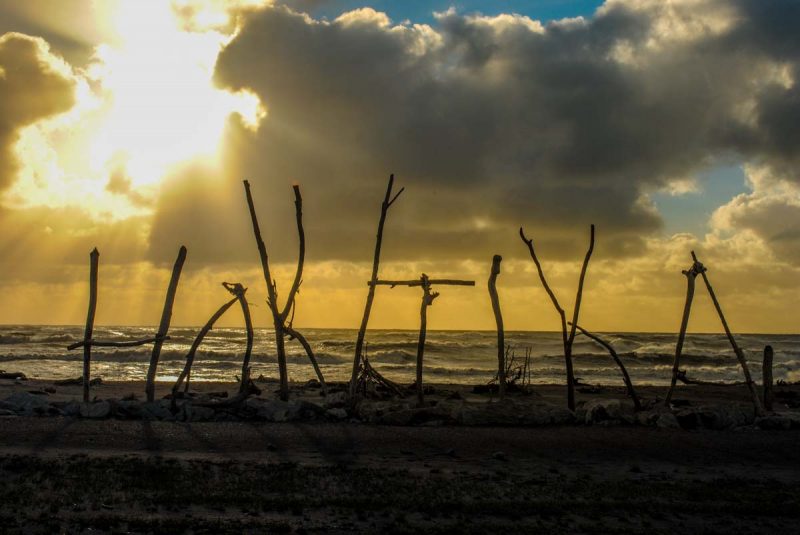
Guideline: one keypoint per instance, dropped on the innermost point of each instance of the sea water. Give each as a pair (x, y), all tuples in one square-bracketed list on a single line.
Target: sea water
[(466, 357)]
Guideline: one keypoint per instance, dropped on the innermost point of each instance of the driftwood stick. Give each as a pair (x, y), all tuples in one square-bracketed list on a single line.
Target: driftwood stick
[(298, 276), (163, 328), (427, 300), (362, 330), (310, 352), (197, 341), (498, 317), (442, 282), (579, 293), (766, 372), (625, 377), (682, 377), (272, 300), (94, 260), (239, 291), (691, 274), (699, 267), (109, 343)]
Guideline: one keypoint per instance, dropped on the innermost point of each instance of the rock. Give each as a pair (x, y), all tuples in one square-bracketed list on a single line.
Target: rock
[(156, 410), (715, 416), (28, 404), (500, 456), (72, 409), (96, 410), (195, 413), (779, 421), (288, 411), (596, 411), (5, 413), (336, 414), (335, 399)]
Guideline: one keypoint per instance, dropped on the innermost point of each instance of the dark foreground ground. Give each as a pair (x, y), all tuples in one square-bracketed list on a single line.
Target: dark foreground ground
[(73, 475)]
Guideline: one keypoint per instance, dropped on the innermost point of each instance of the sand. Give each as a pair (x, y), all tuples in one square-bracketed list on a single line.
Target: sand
[(67, 475)]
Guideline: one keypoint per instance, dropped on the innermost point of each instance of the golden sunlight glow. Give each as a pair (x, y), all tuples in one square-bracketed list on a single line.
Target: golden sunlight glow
[(145, 104)]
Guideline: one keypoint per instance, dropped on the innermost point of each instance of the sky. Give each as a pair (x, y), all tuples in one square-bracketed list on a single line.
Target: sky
[(672, 125)]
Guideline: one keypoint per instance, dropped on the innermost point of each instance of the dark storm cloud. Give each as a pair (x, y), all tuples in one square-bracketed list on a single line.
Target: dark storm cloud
[(495, 122), (32, 87)]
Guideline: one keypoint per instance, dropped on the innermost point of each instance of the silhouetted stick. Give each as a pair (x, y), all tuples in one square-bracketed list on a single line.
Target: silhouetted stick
[(108, 343), (94, 258), (417, 282), (239, 291), (682, 377), (699, 267), (196, 344), (766, 372), (310, 352), (163, 328), (427, 300), (498, 317), (625, 376), (567, 339), (691, 274), (272, 301), (298, 276)]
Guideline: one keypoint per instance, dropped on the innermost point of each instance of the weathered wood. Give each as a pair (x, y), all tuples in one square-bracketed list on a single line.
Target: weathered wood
[(196, 344), (239, 291), (766, 372), (298, 275), (163, 328), (567, 339), (94, 260), (427, 300), (109, 343), (625, 377), (310, 352), (417, 282), (690, 274), (700, 268), (685, 379), (362, 330), (272, 300), (498, 317)]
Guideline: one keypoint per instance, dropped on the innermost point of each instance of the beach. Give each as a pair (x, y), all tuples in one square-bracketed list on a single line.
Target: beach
[(314, 475)]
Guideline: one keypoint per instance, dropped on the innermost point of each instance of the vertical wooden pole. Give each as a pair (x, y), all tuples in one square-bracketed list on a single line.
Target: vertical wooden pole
[(427, 300), (766, 371), (498, 317), (687, 308), (163, 328), (94, 258), (736, 349), (387, 202)]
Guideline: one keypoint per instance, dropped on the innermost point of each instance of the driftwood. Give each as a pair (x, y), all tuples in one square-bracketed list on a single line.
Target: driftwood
[(163, 328), (625, 377), (701, 269), (239, 291), (427, 300), (388, 200), (766, 374), (690, 274), (15, 375), (682, 377), (78, 381), (370, 376), (94, 258), (279, 317), (498, 317), (567, 339), (184, 375), (303, 342), (250, 389)]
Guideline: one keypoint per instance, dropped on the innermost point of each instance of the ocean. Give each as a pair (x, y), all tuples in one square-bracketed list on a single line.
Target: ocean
[(464, 357)]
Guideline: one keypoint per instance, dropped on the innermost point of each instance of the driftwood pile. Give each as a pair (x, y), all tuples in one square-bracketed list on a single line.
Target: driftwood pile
[(365, 380)]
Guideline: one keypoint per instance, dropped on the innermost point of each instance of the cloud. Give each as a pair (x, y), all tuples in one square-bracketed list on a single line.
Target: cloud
[(493, 122), (34, 84)]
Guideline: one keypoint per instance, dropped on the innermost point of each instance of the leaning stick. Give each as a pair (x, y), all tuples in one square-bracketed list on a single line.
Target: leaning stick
[(736, 349), (94, 258), (163, 328), (579, 294), (691, 273), (362, 330), (427, 300), (498, 316), (625, 377), (298, 275), (238, 290), (766, 372), (196, 344), (272, 300), (310, 352)]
